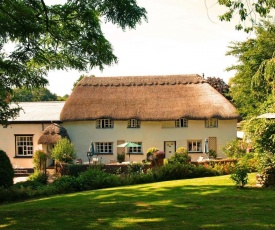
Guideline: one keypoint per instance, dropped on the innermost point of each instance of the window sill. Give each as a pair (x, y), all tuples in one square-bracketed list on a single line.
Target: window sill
[(134, 153), (99, 154), (195, 152), (22, 157)]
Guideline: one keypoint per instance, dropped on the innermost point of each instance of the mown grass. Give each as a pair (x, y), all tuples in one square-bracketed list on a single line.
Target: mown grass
[(204, 203)]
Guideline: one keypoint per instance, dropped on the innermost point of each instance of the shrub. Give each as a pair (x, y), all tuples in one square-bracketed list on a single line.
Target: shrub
[(180, 156), (266, 169), (135, 168), (66, 184), (40, 160), (73, 169), (38, 177), (213, 153), (14, 194), (96, 178), (120, 157), (240, 176), (202, 171), (172, 172), (140, 178), (64, 151), (224, 167), (235, 149), (6, 171), (151, 153)]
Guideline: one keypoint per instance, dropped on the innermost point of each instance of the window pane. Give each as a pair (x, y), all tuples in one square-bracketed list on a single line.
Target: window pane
[(24, 145), (104, 147)]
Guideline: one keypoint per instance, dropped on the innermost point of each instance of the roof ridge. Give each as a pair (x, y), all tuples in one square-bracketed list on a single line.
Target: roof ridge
[(142, 80)]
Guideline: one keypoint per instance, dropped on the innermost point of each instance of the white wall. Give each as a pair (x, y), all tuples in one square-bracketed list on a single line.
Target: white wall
[(151, 134)]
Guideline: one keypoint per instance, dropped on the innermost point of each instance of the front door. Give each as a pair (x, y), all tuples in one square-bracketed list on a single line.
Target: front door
[(170, 148)]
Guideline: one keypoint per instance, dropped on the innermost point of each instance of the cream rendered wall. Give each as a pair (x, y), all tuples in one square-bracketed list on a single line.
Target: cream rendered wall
[(7, 141), (151, 134)]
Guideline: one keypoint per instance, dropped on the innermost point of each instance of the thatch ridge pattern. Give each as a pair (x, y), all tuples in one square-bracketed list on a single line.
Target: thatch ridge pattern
[(141, 80)]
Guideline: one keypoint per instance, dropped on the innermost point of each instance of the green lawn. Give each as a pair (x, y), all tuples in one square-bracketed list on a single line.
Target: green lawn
[(204, 203)]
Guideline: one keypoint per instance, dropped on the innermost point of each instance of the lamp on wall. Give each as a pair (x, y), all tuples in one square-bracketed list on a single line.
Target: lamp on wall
[(206, 148), (89, 155)]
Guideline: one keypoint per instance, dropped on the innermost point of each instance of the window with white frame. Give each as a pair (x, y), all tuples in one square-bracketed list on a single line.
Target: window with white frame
[(104, 123), (133, 123), (194, 146), (24, 145), (135, 149), (104, 147), (211, 123), (182, 122)]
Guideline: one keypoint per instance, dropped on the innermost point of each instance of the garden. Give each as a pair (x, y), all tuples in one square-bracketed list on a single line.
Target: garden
[(71, 177)]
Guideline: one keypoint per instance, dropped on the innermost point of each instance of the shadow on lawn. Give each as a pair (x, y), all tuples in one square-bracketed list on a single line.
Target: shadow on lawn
[(165, 205)]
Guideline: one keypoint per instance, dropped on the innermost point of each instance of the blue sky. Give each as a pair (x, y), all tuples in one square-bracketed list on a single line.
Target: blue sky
[(180, 37)]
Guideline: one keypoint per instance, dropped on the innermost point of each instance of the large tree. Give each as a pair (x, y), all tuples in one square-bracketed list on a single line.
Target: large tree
[(36, 37), (33, 94), (249, 90), (247, 10)]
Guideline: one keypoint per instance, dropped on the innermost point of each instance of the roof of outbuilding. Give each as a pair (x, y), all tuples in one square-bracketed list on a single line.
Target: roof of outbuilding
[(146, 98), (39, 111), (52, 134), (267, 116)]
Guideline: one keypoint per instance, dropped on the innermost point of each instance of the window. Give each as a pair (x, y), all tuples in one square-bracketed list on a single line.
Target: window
[(24, 145), (104, 123), (135, 149), (194, 146), (133, 123), (211, 123), (104, 147), (182, 122)]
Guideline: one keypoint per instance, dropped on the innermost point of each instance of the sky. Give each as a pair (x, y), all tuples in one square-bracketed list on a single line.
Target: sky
[(180, 37)]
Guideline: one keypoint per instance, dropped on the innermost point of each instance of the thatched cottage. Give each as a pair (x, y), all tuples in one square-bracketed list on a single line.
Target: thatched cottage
[(165, 112)]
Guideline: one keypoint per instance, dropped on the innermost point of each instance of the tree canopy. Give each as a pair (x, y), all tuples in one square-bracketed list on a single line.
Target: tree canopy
[(219, 85), (250, 88), (251, 10), (33, 94), (36, 37)]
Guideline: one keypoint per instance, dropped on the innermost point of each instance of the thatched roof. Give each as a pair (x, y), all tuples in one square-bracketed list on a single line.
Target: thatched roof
[(146, 98), (52, 134)]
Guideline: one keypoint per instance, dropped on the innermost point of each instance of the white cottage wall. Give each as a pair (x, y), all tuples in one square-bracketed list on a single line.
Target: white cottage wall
[(151, 134)]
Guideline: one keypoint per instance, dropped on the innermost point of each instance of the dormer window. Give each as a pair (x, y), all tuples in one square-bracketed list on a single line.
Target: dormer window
[(182, 122), (104, 123), (211, 123), (133, 123)]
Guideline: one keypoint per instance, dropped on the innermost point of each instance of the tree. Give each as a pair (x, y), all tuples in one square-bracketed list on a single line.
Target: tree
[(6, 170), (63, 151), (250, 94), (251, 10), (219, 85), (33, 94), (42, 37), (261, 132)]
